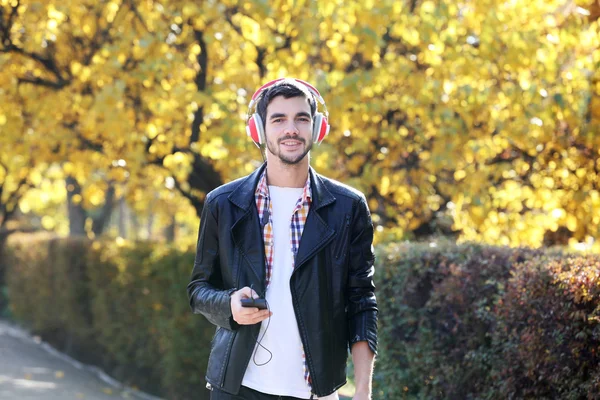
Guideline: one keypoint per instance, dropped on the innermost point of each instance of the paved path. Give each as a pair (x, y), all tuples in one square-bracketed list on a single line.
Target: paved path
[(32, 370)]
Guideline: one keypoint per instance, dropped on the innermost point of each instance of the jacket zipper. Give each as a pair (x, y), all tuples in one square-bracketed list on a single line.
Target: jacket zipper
[(303, 338)]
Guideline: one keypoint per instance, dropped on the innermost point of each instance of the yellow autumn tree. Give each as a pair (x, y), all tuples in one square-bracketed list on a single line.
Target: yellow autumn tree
[(19, 171), (472, 117)]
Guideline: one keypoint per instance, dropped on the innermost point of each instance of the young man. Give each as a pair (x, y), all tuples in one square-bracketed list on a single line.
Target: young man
[(299, 240)]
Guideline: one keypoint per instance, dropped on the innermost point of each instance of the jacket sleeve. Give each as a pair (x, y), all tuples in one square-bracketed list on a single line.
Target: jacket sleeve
[(362, 304), (205, 290)]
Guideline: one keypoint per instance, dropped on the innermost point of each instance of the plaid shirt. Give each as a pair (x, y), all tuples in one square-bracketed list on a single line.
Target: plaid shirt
[(299, 215)]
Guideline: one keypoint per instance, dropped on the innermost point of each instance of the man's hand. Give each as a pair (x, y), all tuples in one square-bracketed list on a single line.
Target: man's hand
[(246, 315)]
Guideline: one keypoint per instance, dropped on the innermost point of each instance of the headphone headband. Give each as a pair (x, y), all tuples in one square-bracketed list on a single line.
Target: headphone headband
[(313, 90)]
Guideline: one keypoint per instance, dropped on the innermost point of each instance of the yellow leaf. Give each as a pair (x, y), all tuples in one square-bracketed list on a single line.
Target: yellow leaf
[(460, 175), (385, 185), (152, 131)]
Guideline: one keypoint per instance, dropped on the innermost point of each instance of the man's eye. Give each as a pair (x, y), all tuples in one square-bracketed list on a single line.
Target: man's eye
[(276, 120), (304, 119)]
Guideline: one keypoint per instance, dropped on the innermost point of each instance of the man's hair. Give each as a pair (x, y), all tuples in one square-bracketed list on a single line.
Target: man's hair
[(287, 88)]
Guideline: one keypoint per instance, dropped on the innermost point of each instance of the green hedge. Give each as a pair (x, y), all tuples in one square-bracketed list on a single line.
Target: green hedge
[(122, 308), (475, 322), (456, 322)]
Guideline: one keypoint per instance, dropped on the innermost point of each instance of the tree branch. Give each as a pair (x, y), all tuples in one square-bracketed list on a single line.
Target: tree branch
[(413, 6), (137, 14), (85, 143), (261, 51), (5, 29), (43, 82), (49, 63), (200, 81), (511, 154), (101, 36), (204, 177), (9, 207), (196, 202)]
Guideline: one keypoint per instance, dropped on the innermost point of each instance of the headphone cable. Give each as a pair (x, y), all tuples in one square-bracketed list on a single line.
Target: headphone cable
[(258, 341)]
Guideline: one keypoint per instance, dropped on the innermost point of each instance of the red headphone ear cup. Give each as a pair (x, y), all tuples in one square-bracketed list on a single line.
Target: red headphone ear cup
[(254, 129), (324, 129), (320, 128)]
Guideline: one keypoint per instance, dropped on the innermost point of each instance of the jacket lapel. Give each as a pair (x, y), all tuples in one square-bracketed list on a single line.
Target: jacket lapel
[(317, 233), (247, 234), (246, 231)]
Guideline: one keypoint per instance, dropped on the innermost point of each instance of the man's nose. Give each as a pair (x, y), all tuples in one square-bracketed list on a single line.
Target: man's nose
[(291, 128)]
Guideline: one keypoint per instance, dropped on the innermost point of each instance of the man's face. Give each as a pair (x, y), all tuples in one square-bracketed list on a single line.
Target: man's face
[(288, 128)]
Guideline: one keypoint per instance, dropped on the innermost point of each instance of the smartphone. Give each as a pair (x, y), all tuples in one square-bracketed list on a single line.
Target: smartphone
[(261, 304)]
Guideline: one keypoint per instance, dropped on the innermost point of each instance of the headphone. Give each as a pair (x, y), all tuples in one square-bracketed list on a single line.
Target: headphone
[(255, 127)]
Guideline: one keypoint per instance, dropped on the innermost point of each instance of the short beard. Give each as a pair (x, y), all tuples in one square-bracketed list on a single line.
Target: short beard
[(290, 161)]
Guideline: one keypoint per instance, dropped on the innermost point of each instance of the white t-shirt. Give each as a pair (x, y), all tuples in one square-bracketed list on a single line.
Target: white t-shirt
[(283, 375)]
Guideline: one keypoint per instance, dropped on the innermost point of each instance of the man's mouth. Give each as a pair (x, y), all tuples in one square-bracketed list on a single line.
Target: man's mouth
[(290, 143)]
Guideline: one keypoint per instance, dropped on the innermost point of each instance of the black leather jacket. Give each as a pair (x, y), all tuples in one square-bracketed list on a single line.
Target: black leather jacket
[(332, 287)]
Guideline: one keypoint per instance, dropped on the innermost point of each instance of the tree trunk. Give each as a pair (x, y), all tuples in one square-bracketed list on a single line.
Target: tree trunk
[(101, 221), (170, 230), (135, 226), (3, 267), (150, 226), (122, 218), (204, 177), (77, 215)]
